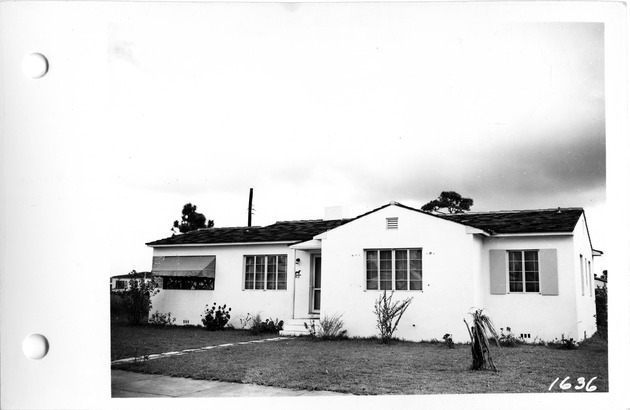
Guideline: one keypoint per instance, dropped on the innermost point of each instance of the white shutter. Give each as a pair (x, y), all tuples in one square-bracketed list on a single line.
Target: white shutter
[(548, 265), (498, 272)]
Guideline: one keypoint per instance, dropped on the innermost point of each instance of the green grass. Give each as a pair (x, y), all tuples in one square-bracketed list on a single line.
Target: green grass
[(365, 366), (133, 341)]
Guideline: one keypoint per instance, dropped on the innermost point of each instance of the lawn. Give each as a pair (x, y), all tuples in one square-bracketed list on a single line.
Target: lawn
[(364, 366), (133, 341)]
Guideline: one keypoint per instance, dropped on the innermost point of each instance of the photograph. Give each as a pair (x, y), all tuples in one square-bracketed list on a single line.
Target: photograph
[(318, 204), (356, 199)]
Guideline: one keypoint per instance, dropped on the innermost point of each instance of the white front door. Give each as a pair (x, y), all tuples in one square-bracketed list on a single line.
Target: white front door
[(316, 283)]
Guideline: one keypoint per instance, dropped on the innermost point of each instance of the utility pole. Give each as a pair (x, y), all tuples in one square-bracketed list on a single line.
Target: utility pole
[(249, 209)]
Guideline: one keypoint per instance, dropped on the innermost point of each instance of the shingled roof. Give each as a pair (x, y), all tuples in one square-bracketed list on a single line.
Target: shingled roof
[(527, 221), (499, 222), (284, 231)]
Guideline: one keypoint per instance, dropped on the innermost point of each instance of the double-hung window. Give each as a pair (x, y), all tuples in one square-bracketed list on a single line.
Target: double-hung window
[(523, 271), (389, 269), (266, 272)]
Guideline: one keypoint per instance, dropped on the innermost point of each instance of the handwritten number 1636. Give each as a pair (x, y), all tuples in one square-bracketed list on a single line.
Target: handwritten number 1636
[(581, 384)]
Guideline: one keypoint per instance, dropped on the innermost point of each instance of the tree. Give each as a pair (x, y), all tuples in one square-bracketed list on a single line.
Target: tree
[(481, 332), (451, 200), (137, 299), (191, 220)]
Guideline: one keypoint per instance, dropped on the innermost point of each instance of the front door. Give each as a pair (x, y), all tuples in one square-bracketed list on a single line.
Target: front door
[(316, 284)]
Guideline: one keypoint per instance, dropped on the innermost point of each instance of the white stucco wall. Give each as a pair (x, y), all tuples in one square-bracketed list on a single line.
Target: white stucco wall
[(585, 306), (448, 270), (229, 284), (543, 316)]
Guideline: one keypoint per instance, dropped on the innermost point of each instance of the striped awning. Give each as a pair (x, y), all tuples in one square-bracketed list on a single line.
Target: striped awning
[(200, 266)]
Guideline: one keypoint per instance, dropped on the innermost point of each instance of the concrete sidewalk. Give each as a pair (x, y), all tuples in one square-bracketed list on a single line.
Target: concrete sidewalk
[(131, 384)]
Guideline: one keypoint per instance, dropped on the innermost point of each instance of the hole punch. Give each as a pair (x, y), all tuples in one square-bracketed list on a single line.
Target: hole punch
[(35, 65), (35, 346)]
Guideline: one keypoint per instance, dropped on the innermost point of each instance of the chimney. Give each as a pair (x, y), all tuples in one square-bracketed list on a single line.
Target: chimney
[(333, 212)]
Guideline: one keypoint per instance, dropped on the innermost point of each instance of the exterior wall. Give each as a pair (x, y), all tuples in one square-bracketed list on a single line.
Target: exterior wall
[(229, 286), (585, 305), (448, 271), (543, 316)]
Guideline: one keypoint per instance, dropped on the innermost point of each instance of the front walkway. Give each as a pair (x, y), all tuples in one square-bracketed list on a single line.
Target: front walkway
[(131, 384)]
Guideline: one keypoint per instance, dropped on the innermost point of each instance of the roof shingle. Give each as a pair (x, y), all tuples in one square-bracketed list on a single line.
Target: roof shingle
[(500, 222), (527, 221), (284, 231)]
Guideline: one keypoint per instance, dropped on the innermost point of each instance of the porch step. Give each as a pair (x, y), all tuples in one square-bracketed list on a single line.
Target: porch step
[(295, 327)]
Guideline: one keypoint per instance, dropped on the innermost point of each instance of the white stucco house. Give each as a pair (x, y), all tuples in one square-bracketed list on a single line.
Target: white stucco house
[(531, 270), (119, 283)]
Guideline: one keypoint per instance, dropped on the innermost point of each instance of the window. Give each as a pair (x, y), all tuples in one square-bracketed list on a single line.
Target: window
[(582, 273), (266, 272), (388, 269), (188, 283), (120, 284), (523, 271)]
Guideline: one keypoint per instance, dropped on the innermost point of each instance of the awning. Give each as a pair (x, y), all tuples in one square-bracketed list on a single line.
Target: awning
[(200, 266)]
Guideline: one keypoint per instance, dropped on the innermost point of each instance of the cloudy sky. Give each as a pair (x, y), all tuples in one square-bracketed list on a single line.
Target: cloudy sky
[(313, 107)]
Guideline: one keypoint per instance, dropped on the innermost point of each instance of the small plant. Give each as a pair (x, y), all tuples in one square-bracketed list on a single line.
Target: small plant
[(216, 318), (434, 341), (328, 328), (312, 330), (268, 326), (388, 314), (245, 321), (481, 332), (563, 343), (448, 339), (508, 339), (161, 319)]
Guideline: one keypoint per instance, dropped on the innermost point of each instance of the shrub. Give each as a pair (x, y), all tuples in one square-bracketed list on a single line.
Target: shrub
[(388, 314), (245, 321), (601, 311), (448, 339), (268, 326), (137, 300), (563, 343), (216, 318), (329, 328), (508, 339), (161, 319)]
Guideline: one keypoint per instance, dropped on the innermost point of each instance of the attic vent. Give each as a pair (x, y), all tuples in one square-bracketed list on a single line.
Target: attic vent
[(392, 223)]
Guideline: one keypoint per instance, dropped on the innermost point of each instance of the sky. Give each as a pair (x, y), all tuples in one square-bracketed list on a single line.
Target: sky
[(351, 108)]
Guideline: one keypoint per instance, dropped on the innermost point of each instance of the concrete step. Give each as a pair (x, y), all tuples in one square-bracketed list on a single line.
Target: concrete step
[(295, 327)]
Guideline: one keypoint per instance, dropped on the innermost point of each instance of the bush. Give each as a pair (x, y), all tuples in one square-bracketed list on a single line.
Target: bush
[(158, 319), (245, 321), (216, 318), (268, 326), (601, 311), (566, 344), (508, 339), (137, 300), (328, 328), (388, 314), (448, 339)]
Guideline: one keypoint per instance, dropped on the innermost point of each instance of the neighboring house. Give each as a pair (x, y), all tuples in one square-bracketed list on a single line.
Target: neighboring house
[(529, 270), (121, 282)]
